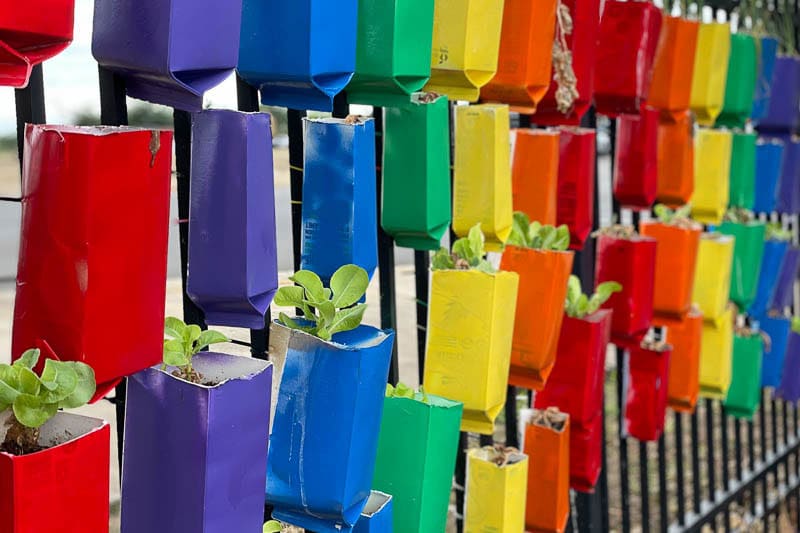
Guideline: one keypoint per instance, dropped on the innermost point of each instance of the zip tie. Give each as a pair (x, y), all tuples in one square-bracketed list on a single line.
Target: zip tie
[(297, 202), (298, 169)]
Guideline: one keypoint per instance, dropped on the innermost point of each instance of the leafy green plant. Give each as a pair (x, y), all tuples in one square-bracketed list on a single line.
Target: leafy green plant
[(273, 526), (404, 391), (35, 399), (578, 305), (672, 216), (468, 253), (527, 234), (328, 310), (775, 232), (740, 215), (184, 342), (796, 324)]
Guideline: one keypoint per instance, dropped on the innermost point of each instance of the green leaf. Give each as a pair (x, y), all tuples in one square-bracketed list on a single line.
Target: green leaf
[(30, 411), (348, 319), (85, 389), (403, 391), (663, 213), (602, 294), (582, 306), (7, 394), (327, 311), (442, 260), (561, 243), (191, 334), (273, 526), (289, 296), (463, 250), (574, 290), (29, 382), (59, 380), (311, 283), (291, 324), (207, 338), (486, 267), (520, 228), (28, 359), (389, 391), (323, 333), (174, 353), (476, 240), (349, 284), (174, 327)]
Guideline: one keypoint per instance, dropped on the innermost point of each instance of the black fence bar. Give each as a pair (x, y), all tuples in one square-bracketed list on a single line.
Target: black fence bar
[(296, 162), (421, 281), (512, 420), (623, 442), (644, 484), (695, 438), (751, 462), (663, 490), (710, 449), (461, 479), (30, 107), (680, 479)]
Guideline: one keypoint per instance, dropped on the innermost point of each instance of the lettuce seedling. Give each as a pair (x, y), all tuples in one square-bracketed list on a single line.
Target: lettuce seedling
[(404, 391), (672, 216), (184, 342), (796, 324), (329, 310), (534, 235), (273, 526), (33, 399), (775, 232), (578, 305), (468, 253)]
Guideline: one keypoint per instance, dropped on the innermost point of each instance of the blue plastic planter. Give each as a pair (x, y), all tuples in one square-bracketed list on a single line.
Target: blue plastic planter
[(769, 162), (789, 185), (771, 262), (778, 329), (761, 99), (377, 515)]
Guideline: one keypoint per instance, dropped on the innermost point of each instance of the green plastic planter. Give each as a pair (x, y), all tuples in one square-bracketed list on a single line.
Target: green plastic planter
[(744, 394), (740, 85), (743, 170), (393, 51), (747, 253), (416, 173)]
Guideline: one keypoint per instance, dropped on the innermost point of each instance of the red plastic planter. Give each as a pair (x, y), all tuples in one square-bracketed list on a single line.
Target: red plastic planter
[(646, 395), (636, 159), (586, 454), (575, 201), (61, 489)]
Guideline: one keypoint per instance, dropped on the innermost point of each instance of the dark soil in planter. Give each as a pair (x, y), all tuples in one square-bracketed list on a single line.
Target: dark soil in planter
[(21, 440), (193, 376)]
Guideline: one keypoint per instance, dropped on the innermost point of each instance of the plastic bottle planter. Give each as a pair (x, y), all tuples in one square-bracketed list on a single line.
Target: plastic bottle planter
[(712, 169), (543, 277), (710, 72), (771, 262), (548, 477), (416, 458), (740, 83), (626, 52), (466, 42), (214, 461), (233, 256), (168, 52), (377, 516), (534, 173), (716, 352), (495, 494), (770, 156), (339, 196), (763, 94), (71, 476), (72, 181), (683, 385), (393, 51), (636, 159), (778, 329), (747, 254), (671, 86), (712, 277), (585, 454), (31, 33), (294, 63), (470, 329), (784, 287), (676, 160), (329, 488), (750, 162), (676, 261), (575, 202), (789, 183), (781, 114), (525, 56), (482, 173), (632, 263), (416, 173), (744, 394), (646, 392), (789, 389)]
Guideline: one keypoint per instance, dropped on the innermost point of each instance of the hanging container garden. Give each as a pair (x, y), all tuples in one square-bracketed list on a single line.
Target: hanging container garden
[(750, 162), (626, 52), (778, 330), (740, 84), (789, 389), (789, 184), (214, 461), (763, 95), (339, 206), (534, 173), (712, 170), (747, 253), (470, 332), (466, 42), (377, 516), (393, 51), (168, 52), (547, 446), (770, 157), (683, 385), (710, 72), (744, 394), (712, 278), (416, 172), (70, 475), (233, 256), (482, 173), (80, 241), (771, 262), (646, 390), (576, 172), (671, 86), (496, 484), (417, 452), (783, 296), (525, 55), (636, 159), (292, 63), (676, 160), (784, 99), (329, 488), (716, 351)]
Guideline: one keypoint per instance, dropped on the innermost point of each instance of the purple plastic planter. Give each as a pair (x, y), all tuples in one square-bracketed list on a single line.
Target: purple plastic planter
[(782, 114), (788, 200), (789, 389), (784, 286), (233, 257), (171, 51), (195, 457)]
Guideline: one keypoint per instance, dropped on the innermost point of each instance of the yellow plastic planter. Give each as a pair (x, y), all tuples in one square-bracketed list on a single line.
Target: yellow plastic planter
[(495, 494), (466, 43), (470, 328), (712, 165), (716, 357), (482, 174), (710, 72), (712, 275)]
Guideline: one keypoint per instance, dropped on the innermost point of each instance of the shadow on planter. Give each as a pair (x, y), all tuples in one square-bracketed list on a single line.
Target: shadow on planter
[(770, 157), (789, 183), (744, 394), (534, 173), (771, 263), (548, 477), (683, 384), (495, 495), (784, 286), (576, 188), (636, 159), (671, 86), (763, 94), (750, 162), (710, 71), (778, 330), (716, 356), (781, 116), (789, 389), (377, 514), (676, 160), (712, 164), (747, 254), (740, 84), (646, 392), (712, 277)]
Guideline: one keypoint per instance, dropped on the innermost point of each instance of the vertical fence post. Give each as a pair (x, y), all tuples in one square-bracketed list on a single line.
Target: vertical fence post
[(421, 281), (30, 107), (296, 162)]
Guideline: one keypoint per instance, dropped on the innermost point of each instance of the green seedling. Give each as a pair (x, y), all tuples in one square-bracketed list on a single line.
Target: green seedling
[(775, 232), (404, 391), (273, 526), (578, 305), (468, 253), (183, 342), (796, 324), (667, 215), (527, 234), (328, 310)]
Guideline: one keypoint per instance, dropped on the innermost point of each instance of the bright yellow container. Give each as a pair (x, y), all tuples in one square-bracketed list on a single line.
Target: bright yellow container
[(470, 328), (495, 494), (482, 174), (466, 43), (712, 165), (710, 72), (712, 275), (716, 357)]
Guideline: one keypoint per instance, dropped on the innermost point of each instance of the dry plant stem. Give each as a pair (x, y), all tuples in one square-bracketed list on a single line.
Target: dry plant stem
[(500, 454), (617, 230), (654, 345), (353, 119), (20, 439), (428, 98), (189, 374), (563, 73), (551, 418)]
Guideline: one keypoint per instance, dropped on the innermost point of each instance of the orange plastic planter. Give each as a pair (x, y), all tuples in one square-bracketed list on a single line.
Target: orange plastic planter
[(675, 159), (543, 277), (534, 173), (683, 385), (547, 508), (671, 87)]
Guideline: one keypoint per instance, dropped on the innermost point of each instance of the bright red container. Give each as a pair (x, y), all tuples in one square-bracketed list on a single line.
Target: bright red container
[(636, 159), (586, 454), (646, 394), (575, 201)]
